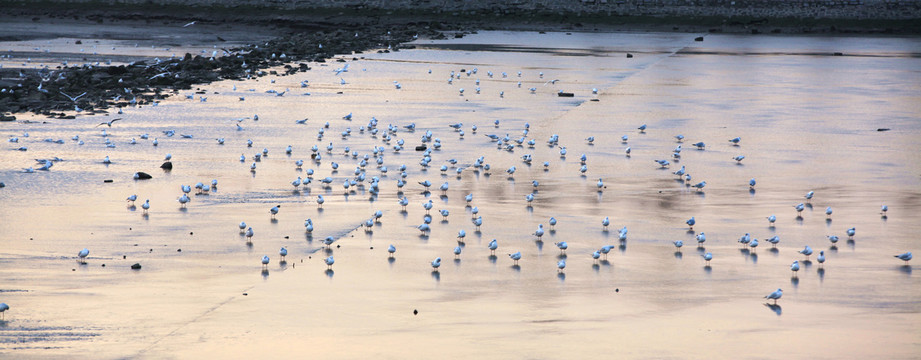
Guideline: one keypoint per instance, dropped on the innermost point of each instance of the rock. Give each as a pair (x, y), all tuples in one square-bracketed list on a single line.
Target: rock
[(136, 266), (565, 94), (140, 175), (7, 118), (699, 38), (108, 181), (880, 129), (421, 147), (167, 165), (629, 56)]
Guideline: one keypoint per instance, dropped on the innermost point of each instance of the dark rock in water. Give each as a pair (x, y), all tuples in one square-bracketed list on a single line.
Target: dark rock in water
[(108, 181), (699, 38), (2, 185), (629, 56), (7, 118), (421, 147), (839, 54), (167, 165), (756, 31), (140, 175), (880, 129), (565, 94), (136, 266), (594, 100)]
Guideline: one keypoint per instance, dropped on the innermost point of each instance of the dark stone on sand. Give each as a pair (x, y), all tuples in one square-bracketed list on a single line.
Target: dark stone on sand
[(880, 129), (839, 54), (699, 38), (140, 175), (167, 165), (421, 147), (136, 266), (415, 312), (108, 181), (629, 56), (565, 94), (7, 118), (2, 185)]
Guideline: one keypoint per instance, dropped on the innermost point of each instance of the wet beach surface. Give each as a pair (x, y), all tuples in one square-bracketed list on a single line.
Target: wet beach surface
[(808, 121)]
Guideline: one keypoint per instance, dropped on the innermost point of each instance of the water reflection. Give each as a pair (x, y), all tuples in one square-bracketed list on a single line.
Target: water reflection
[(265, 274), (794, 280), (492, 259), (329, 273), (821, 273), (905, 269), (775, 308), (708, 269), (678, 255), (516, 267), (391, 260), (561, 276), (596, 267)]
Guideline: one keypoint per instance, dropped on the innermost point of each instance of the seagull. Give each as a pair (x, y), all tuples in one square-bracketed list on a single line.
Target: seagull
[(329, 240), (85, 252), (851, 232), (596, 255), (700, 185), (774, 240), (436, 263), (739, 158), (249, 234), (493, 245), (552, 222), (701, 238), (265, 262), (540, 231), (700, 145), (457, 251), (605, 223), (806, 251), (680, 171), (605, 250), (242, 226), (904, 257), (283, 252), (794, 267), (883, 210), (391, 249), (828, 212), (109, 123), (132, 198), (735, 141), (799, 208), (3, 308), (274, 210), (146, 205), (832, 238), (329, 262), (775, 295), (183, 200), (562, 245), (678, 244), (561, 265), (642, 128), (516, 256), (691, 222), (821, 257), (809, 195), (708, 256), (772, 219)]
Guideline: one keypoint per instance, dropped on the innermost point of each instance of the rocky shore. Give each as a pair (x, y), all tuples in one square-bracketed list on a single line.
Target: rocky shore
[(306, 25)]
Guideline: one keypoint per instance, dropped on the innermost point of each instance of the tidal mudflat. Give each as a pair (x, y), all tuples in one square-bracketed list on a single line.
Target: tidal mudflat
[(807, 119)]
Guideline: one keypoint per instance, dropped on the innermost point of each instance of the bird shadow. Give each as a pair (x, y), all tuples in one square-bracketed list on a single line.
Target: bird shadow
[(329, 273), (821, 273), (905, 269), (561, 275), (516, 267), (754, 258), (596, 267), (622, 247), (265, 273), (827, 222), (492, 259), (774, 251), (678, 255), (561, 256), (690, 232), (775, 308), (794, 280), (751, 192), (457, 262), (391, 260), (806, 264), (708, 269), (436, 275)]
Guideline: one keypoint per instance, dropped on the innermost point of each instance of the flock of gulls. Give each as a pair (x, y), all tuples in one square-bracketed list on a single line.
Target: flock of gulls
[(369, 171)]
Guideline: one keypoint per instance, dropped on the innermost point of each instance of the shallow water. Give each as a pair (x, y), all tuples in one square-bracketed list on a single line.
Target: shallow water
[(808, 121)]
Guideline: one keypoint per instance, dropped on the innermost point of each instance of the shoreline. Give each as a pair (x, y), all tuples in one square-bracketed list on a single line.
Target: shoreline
[(331, 26)]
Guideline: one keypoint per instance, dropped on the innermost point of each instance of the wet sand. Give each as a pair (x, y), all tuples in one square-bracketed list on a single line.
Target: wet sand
[(808, 121)]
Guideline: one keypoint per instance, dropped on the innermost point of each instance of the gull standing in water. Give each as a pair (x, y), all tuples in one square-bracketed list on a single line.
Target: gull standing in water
[(539, 232), (794, 267), (772, 219), (691, 222), (563, 246), (700, 239), (708, 256), (85, 252), (806, 251), (775, 296), (274, 210), (436, 263), (3, 308), (493, 245), (605, 223), (329, 262), (561, 265), (146, 205), (242, 226), (516, 256), (265, 262), (821, 258), (132, 198), (249, 234), (904, 257), (392, 249), (283, 252)]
